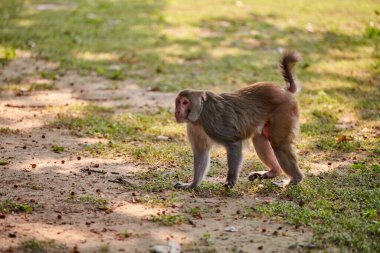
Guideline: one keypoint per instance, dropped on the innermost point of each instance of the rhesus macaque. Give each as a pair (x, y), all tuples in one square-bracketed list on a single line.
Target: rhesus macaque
[(264, 112)]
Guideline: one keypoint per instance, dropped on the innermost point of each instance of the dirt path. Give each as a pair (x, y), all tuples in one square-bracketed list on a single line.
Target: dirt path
[(65, 189)]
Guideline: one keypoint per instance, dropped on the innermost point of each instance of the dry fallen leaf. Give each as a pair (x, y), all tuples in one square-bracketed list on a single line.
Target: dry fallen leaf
[(344, 138)]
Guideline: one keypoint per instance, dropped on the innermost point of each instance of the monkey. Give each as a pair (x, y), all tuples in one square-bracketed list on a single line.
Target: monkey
[(264, 112)]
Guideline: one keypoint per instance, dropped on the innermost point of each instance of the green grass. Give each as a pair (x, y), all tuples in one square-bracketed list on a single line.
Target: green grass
[(342, 207), (11, 206), (7, 130), (38, 246), (105, 248), (169, 219), (160, 201), (96, 202), (176, 44), (57, 149), (3, 162), (170, 45), (28, 87), (134, 135)]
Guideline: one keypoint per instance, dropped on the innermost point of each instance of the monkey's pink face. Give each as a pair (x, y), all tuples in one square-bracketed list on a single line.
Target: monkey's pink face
[(182, 109)]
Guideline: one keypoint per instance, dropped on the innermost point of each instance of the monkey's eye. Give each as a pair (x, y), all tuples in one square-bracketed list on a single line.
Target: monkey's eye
[(185, 102)]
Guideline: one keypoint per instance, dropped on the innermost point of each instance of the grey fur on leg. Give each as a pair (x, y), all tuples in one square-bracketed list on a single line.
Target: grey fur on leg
[(201, 164), (201, 145), (235, 159)]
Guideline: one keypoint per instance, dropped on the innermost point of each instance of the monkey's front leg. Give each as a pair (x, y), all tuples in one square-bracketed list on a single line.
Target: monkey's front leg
[(201, 164), (234, 159), (201, 145)]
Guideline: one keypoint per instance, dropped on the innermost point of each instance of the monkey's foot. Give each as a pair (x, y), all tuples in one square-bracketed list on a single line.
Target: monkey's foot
[(262, 175), (229, 184), (282, 184), (183, 186)]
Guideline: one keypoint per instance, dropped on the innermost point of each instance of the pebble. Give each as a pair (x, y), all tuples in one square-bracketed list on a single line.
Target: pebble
[(171, 247), (231, 229)]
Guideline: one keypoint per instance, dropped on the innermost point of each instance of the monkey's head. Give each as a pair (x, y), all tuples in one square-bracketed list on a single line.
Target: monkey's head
[(189, 105)]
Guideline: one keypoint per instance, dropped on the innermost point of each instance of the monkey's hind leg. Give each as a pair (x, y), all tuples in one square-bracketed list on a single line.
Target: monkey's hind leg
[(287, 158), (282, 137), (265, 152)]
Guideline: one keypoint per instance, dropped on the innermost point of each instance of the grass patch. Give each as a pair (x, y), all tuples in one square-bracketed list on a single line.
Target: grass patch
[(157, 45), (57, 149), (28, 87), (38, 246), (341, 207), (169, 219), (11, 206), (155, 179), (7, 54), (133, 135), (197, 212), (50, 74), (104, 122), (212, 189), (3, 162), (104, 248), (159, 201), (7, 130), (42, 86), (97, 203), (36, 186)]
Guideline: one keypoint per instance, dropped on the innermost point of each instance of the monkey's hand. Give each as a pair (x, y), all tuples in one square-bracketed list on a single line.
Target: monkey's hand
[(184, 186)]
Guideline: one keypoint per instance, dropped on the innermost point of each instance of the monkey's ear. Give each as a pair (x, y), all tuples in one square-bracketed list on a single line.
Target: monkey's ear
[(196, 106), (204, 96)]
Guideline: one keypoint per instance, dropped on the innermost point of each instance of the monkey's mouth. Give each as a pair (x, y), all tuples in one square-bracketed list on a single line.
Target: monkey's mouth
[(179, 118)]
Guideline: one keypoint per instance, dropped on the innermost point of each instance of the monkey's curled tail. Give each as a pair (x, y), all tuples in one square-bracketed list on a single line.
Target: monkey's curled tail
[(287, 64)]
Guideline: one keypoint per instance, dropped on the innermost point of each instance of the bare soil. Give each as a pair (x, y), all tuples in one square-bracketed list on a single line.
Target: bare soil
[(53, 182)]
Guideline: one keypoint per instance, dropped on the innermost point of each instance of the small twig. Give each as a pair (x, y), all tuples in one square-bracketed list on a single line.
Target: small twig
[(25, 106), (120, 180), (192, 223), (87, 170)]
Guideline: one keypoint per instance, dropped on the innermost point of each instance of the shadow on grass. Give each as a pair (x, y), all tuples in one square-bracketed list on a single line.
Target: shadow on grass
[(125, 39), (128, 36), (91, 35)]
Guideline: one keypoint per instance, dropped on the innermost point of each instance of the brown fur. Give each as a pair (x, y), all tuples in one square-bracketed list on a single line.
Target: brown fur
[(264, 112)]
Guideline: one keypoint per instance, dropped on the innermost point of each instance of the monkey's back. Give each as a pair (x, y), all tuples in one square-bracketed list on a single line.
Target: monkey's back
[(269, 93), (238, 115)]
